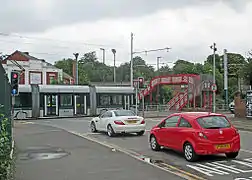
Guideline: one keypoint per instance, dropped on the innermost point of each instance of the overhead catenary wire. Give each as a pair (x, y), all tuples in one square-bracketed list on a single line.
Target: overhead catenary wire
[(58, 40)]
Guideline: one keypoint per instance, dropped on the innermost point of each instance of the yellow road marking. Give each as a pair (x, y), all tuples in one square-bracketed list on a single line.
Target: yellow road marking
[(183, 172)]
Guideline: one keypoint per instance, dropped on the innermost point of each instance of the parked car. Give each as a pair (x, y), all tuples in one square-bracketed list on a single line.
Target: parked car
[(196, 133), (118, 121), (232, 107)]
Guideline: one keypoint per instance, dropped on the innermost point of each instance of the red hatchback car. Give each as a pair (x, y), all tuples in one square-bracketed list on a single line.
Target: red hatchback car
[(196, 133)]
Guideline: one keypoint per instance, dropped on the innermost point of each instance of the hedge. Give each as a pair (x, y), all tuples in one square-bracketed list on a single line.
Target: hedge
[(5, 145)]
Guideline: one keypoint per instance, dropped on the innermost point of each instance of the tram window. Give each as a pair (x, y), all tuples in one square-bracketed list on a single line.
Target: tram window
[(23, 100), (104, 100), (66, 100), (117, 99)]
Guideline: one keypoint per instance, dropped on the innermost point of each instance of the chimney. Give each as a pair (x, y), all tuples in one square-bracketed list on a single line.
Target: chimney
[(27, 53)]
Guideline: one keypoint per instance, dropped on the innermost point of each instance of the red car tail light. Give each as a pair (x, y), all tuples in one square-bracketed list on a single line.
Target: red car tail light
[(119, 122), (202, 135), (143, 122)]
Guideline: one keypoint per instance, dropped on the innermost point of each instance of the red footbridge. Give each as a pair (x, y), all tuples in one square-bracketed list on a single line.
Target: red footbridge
[(196, 92)]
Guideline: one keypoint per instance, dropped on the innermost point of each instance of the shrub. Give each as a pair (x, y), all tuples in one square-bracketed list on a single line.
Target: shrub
[(5, 145)]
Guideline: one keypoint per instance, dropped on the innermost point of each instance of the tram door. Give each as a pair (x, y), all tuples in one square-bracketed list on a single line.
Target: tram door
[(51, 105), (127, 102), (80, 105)]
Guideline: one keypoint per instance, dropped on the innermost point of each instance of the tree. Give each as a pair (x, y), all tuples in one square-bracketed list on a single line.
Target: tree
[(218, 62), (166, 93), (94, 70), (123, 72), (165, 70), (140, 68), (66, 65), (183, 67), (248, 70)]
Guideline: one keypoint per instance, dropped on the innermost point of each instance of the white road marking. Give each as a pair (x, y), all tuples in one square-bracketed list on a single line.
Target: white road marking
[(247, 151), (249, 132), (91, 133)]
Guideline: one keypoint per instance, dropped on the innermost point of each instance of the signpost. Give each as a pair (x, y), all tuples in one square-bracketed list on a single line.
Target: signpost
[(136, 91), (214, 87), (138, 85)]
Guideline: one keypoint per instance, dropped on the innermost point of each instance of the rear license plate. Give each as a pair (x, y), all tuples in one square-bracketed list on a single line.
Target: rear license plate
[(223, 146), (131, 121)]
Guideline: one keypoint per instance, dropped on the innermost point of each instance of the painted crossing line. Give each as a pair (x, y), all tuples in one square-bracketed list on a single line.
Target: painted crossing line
[(232, 168), (245, 150)]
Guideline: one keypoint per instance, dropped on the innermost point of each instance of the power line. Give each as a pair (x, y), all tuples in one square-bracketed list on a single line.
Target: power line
[(49, 39)]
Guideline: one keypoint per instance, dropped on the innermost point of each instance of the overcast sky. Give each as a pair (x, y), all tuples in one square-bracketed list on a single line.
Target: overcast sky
[(54, 29)]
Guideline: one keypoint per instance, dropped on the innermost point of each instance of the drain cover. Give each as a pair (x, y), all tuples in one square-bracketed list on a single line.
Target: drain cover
[(44, 156), (42, 153)]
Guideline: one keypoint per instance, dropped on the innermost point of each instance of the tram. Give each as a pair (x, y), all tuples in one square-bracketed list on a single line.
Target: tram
[(36, 101)]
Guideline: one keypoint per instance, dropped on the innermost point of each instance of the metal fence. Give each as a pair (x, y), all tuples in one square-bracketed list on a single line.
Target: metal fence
[(160, 107)]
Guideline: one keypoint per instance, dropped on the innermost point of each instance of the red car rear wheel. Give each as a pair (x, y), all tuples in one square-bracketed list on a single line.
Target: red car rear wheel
[(189, 153), (232, 155)]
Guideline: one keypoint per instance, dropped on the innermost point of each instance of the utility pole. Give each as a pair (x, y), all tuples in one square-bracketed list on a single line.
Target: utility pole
[(103, 55), (225, 63), (158, 95), (213, 47), (139, 52), (77, 70), (114, 53), (131, 60)]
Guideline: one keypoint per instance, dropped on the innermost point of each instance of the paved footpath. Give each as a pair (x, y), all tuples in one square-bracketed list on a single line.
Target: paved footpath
[(53, 154)]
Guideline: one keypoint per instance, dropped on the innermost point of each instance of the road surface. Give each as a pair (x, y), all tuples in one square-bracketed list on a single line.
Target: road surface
[(210, 167), (50, 153)]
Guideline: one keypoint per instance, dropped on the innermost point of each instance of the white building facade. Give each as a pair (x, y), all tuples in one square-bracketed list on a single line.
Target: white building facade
[(37, 71)]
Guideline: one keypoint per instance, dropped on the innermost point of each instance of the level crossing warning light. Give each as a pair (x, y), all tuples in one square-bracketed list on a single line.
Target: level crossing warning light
[(14, 83), (140, 82)]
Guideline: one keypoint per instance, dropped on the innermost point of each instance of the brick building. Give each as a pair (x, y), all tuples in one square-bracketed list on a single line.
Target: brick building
[(37, 71)]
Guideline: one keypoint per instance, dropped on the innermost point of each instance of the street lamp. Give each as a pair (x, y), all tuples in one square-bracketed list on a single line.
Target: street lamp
[(103, 55), (158, 91), (114, 53), (213, 47), (76, 75)]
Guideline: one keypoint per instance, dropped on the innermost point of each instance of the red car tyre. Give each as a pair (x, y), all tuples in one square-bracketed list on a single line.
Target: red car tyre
[(232, 155), (189, 153)]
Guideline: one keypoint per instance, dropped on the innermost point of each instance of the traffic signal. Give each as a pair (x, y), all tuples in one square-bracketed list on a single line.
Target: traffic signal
[(140, 82), (14, 82)]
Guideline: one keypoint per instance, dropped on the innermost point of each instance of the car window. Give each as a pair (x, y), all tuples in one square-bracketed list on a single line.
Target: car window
[(103, 115), (184, 123), (124, 113), (171, 122), (213, 122), (106, 114), (109, 114)]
